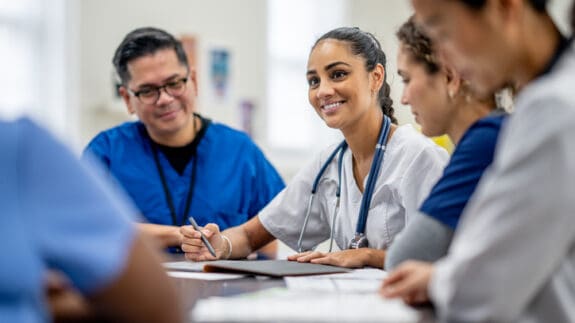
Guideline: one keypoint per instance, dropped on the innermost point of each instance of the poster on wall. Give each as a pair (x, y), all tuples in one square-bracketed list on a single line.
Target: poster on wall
[(220, 72)]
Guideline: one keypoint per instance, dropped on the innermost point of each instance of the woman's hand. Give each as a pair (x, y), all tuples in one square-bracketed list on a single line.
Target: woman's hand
[(350, 258), (409, 282), (194, 247)]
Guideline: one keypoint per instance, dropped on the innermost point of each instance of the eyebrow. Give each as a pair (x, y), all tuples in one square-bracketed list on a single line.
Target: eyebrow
[(328, 67), (167, 79)]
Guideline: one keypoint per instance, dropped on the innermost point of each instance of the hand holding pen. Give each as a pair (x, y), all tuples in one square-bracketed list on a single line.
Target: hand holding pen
[(201, 245)]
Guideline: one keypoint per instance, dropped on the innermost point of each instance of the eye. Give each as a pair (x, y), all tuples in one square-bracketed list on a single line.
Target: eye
[(146, 92), (405, 80), (313, 82), (175, 85), (336, 75)]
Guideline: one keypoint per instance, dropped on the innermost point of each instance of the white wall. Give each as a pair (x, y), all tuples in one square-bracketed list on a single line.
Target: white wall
[(236, 25)]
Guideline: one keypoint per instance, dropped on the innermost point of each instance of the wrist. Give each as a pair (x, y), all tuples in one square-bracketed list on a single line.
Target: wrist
[(227, 247)]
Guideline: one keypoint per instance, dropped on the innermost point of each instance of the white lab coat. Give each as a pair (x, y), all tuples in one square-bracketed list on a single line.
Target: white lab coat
[(513, 256), (412, 164)]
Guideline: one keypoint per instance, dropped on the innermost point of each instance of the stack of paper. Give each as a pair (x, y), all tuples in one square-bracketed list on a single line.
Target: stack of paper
[(285, 305)]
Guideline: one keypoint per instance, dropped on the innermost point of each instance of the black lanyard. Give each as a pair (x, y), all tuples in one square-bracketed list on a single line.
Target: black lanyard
[(205, 123), (167, 190)]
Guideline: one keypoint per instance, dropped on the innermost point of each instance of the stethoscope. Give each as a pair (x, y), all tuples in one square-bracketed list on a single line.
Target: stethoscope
[(359, 240)]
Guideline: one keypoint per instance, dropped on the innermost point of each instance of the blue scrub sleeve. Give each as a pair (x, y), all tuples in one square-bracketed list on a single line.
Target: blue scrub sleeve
[(268, 183), (81, 224)]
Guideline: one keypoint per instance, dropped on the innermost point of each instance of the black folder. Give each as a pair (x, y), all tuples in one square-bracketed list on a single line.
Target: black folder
[(273, 268)]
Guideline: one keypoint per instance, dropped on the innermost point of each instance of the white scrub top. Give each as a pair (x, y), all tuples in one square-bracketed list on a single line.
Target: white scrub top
[(412, 164)]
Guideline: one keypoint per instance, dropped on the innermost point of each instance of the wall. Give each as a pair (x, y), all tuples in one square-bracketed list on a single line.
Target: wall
[(236, 25)]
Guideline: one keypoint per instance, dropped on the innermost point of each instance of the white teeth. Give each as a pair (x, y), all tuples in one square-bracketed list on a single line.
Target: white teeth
[(331, 105)]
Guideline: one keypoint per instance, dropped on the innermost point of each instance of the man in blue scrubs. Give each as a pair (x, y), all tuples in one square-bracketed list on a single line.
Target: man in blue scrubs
[(55, 215), (173, 162)]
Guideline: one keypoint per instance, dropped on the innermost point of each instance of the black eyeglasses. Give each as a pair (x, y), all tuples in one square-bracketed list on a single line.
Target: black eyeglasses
[(150, 95)]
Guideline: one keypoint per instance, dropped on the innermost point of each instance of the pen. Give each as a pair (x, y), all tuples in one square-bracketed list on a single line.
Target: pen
[(204, 239)]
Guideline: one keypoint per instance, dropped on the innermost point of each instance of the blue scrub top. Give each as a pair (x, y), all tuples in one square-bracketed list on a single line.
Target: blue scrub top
[(233, 180), (471, 157), (54, 213)]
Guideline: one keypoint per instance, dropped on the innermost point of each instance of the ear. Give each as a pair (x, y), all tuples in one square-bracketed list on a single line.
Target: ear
[(127, 99), (377, 77), (454, 81)]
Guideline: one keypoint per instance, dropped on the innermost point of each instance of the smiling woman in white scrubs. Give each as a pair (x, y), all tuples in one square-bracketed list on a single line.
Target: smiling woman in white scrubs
[(382, 173)]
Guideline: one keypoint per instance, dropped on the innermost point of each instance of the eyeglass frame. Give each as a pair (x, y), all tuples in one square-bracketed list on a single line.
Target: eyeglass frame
[(158, 90)]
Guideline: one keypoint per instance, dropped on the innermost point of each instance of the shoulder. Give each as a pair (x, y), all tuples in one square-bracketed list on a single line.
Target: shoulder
[(554, 88), (484, 132), (226, 134), (407, 143), (122, 134)]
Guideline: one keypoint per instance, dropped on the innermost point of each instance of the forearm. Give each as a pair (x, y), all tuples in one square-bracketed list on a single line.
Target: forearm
[(165, 235), (375, 257), (424, 238), (247, 238)]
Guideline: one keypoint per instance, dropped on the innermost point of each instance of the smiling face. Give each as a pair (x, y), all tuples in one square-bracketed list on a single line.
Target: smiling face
[(169, 115), (426, 93), (472, 40), (341, 91)]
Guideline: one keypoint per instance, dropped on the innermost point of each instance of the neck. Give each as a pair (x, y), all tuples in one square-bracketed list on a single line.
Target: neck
[(362, 136), (539, 43), (178, 138), (467, 114)]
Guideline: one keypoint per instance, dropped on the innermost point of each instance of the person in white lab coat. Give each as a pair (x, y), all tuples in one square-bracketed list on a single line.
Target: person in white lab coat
[(384, 170), (513, 256)]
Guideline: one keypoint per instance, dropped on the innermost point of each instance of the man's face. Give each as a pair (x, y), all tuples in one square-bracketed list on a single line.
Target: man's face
[(169, 114), (473, 41)]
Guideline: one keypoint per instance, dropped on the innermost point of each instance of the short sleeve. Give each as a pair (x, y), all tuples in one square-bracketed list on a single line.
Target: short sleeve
[(471, 157)]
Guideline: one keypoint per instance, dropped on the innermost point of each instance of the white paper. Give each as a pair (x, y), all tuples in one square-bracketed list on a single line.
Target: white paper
[(203, 276), (294, 306), (358, 281), (185, 265)]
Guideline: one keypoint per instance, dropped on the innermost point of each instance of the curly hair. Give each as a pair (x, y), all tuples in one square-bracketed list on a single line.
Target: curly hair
[(419, 45)]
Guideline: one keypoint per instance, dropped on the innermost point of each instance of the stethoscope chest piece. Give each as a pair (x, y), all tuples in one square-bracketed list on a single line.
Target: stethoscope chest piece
[(358, 241)]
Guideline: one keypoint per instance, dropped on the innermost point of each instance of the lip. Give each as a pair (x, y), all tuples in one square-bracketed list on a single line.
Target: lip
[(331, 107), (169, 114)]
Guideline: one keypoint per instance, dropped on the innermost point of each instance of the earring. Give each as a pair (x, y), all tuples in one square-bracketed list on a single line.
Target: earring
[(450, 94)]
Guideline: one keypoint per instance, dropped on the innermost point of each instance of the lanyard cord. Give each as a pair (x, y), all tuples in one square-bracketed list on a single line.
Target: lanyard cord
[(373, 174), (167, 190)]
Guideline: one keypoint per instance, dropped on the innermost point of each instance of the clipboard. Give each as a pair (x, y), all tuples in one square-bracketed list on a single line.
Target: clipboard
[(273, 268)]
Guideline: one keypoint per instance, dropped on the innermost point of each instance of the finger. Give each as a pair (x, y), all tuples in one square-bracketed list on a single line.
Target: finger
[(192, 241), (403, 287), (211, 229), (297, 255), (310, 256), (189, 231), (326, 261)]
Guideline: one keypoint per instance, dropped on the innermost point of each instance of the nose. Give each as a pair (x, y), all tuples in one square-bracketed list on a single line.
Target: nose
[(164, 97), (404, 96), (324, 90)]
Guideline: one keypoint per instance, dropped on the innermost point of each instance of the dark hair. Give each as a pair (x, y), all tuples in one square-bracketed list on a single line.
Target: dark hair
[(367, 46), (419, 45), (141, 42), (538, 5)]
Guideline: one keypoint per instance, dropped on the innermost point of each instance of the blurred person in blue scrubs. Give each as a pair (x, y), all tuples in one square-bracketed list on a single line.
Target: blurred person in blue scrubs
[(173, 162), (57, 216)]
